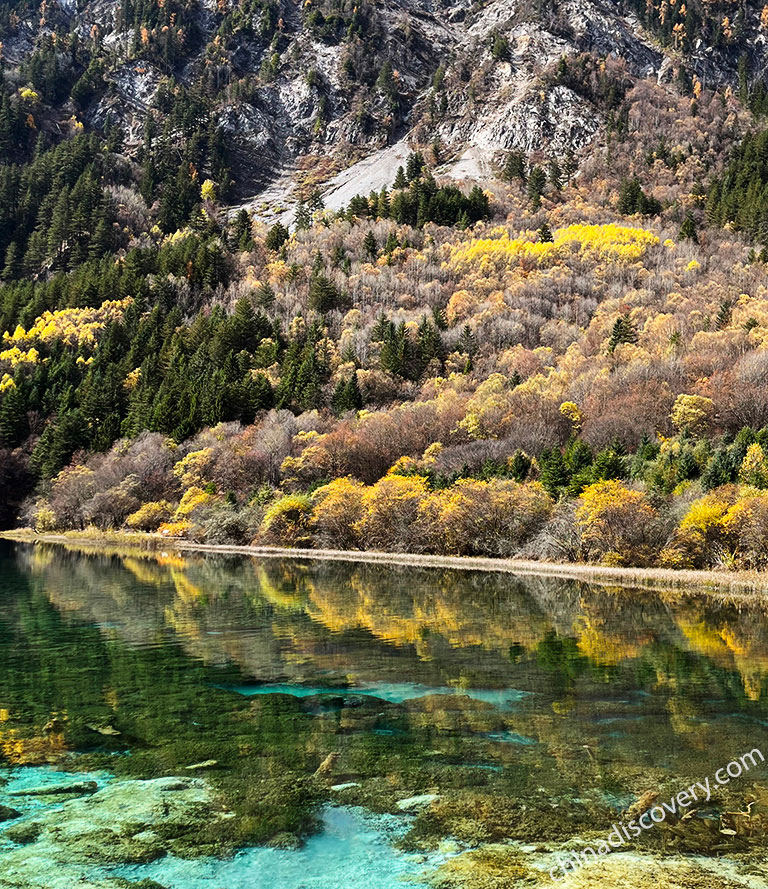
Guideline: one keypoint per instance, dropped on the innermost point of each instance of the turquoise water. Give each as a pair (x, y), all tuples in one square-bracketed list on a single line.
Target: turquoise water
[(395, 692), (17, 788), (352, 849)]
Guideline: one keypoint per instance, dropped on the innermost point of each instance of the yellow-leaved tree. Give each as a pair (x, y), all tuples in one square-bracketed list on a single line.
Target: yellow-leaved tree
[(287, 521), (701, 538), (391, 511), (692, 413), (754, 467), (618, 525), (338, 509), (490, 518)]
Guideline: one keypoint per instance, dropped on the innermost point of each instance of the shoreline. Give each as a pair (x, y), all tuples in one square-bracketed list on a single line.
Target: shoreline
[(644, 578)]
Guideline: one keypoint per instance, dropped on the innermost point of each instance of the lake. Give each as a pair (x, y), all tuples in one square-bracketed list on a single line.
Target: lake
[(212, 722)]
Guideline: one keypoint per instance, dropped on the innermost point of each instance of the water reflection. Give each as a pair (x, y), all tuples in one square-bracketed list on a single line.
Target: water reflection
[(533, 708)]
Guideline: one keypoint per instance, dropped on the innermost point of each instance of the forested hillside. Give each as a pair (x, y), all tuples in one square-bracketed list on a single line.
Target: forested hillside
[(545, 332)]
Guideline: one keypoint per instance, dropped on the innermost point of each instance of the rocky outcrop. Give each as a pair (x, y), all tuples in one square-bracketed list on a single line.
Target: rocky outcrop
[(474, 79)]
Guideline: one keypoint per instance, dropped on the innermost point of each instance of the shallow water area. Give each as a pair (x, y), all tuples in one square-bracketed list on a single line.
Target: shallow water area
[(352, 849)]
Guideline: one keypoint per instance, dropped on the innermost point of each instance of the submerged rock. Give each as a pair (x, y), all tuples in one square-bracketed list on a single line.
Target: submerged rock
[(26, 832), (7, 813), (80, 788), (412, 803), (628, 871), (126, 822), (208, 764), (503, 866), (492, 867)]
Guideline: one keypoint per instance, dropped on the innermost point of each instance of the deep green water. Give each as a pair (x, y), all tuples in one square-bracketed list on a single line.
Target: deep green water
[(535, 710)]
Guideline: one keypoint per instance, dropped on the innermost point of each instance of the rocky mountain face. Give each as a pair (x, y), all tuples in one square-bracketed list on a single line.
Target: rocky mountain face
[(305, 89)]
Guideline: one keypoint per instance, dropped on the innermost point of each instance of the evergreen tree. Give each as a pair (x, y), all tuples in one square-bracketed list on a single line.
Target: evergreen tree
[(13, 263), (243, 327), (624, 331), (519, 466), (370, 246), (688, 230), (514, 167), (724, 314), (439, 318), (499, 47), (554, 472), (265, 296), (555, 175), (467, 341), (429, 344), (384, 204), (303, 217), (537, 180), (14, 427), (308, 380), (414, 166), (385, 84), (276, 236), (346, 396), (323, 295), (545, 234)]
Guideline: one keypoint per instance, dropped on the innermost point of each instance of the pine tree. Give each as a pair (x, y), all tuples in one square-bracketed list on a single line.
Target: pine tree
[(439, 318), (391, 244), (555, 175), (385, 84), (13, 263), (370, 246), (276, 236), (265, 296), (688, 230), (514, 167), (519, 466), (243, 327), (303, 217), (400, 180), (308, 380), (339, 397), (241, 232), (382, 329), (624, 331), (384, 205), (499, 47), (353, 395), (467, 341), (13, 418), (545, 234), (429, 343), (724, 314), (102, 241), (346, 396), (554, 472), (323, 295), (414, 166), (536, 183)]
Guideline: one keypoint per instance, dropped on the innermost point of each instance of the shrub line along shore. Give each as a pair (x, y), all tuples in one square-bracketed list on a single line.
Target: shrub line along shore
[(642, 578)]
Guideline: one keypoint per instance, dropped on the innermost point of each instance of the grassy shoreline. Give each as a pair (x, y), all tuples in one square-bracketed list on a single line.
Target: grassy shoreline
[(648, 578)]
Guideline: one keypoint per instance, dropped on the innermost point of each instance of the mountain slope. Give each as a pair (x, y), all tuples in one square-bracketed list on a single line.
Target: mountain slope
[(448, 277)]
